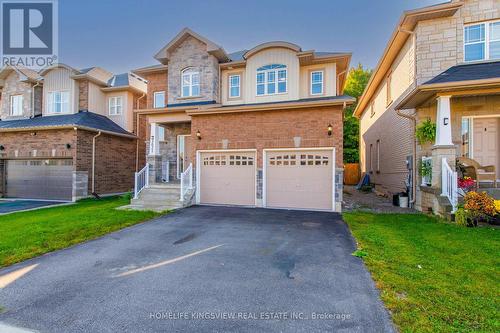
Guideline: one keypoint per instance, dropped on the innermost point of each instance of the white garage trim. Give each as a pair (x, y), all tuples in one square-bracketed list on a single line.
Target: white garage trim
[(264, 167), (198, 168)]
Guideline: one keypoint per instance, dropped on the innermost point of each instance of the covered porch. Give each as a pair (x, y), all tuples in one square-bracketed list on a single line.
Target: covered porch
[(168, 147), (466, 114)]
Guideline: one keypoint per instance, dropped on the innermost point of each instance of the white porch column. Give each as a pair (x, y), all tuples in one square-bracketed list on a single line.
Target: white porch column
[(443, 122), (154, 140)]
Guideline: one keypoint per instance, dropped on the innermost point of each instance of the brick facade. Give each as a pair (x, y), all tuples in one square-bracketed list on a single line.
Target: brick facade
[(156, 82), (269, 129), (115, 156), (115, 161)]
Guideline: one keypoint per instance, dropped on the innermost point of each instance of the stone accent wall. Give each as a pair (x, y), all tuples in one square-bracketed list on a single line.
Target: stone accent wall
[(83, 95), (440, 41), (80, 185), (115, 161), (13, 86), (156, 82), (193, 53), (38, 100)]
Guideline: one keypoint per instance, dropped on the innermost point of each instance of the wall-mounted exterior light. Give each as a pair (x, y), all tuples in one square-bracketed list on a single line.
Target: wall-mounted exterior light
[(68, 146), (2, 147), (198, 135), (33, 133), (330, 129)]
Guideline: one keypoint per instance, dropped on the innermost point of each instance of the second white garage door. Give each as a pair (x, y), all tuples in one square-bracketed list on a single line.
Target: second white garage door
[(227, 178), (299, 179)]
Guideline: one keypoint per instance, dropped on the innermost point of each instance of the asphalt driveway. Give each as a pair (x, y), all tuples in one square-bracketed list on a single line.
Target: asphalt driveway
[(202, 269), (10, 206)]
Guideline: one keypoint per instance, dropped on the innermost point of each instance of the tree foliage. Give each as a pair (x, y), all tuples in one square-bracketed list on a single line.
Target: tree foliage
[(357, 79)]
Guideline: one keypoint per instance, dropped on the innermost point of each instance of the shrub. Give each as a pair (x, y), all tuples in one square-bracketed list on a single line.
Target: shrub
[(479, 205), (463, 218), (497, 206), (426, 132)]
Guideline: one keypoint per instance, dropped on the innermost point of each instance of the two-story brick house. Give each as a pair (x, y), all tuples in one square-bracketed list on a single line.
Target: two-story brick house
[(260, 127), (441, 64), (66, 133)]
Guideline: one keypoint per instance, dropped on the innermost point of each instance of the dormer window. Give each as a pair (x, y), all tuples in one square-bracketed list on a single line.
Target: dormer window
[(115, 106), (58, 101), (271, 80), (317, 83), (190, 82)]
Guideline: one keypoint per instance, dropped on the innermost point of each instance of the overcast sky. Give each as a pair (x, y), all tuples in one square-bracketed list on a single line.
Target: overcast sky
[(120, 35)]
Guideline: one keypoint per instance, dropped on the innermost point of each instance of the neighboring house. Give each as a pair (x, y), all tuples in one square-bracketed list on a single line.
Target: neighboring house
[(260, 127), (66, 134), (441, 63)]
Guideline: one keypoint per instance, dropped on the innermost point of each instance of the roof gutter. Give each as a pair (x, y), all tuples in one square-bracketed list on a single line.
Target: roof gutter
[(43, 128)]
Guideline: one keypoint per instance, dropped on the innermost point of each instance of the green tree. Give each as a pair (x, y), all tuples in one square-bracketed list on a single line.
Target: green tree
[(357, 79)]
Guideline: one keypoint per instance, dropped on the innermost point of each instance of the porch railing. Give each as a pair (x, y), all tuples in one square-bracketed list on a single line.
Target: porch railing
[(186, 181), (141, 180), (449, 184), (165, 171)]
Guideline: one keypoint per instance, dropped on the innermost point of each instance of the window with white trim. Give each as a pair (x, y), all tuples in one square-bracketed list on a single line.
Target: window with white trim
[(159, 99), (58, 102), (190, 82), (115, 106), (16, 105), (482, 41), (234, 86), (271, 80), (317, 82)]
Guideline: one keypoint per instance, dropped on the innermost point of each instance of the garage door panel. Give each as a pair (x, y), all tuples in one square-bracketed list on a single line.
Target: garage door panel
[(39, 179), (227, 178), (299, 179)]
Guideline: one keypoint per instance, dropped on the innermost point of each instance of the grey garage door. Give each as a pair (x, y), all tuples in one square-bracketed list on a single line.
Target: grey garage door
[(40, 179)]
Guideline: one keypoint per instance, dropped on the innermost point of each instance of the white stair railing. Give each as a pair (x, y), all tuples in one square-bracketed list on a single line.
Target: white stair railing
[(141, 180), (186, 181), (449, 184)]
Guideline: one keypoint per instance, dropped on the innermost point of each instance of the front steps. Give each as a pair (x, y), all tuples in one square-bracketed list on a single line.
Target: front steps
[(158, 197)]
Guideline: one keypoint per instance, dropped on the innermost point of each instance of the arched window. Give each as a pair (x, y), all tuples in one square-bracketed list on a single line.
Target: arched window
[(190, 78), (271, 80)]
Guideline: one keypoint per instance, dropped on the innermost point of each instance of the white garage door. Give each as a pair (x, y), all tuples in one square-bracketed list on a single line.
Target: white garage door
[(227, 178), (40, 179), (299, 179)]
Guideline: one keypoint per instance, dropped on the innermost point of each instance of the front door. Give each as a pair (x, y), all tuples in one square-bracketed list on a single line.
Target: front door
[(182, 153), (485, 142)]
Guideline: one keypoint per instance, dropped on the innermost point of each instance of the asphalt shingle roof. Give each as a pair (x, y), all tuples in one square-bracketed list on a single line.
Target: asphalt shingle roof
[(82, 118), (467, 72)]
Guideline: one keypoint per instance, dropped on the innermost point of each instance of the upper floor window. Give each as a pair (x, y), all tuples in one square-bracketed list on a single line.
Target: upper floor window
[(58, 101), (482, 41), (115, 106), (317, 83), (159, 99), (16, 105), (190, 82), (271, 80), (234, 86)]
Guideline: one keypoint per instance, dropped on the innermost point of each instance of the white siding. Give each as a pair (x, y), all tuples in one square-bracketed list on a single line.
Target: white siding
[(58, 79)]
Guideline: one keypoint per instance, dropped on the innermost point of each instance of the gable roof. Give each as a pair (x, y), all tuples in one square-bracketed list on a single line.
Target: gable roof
[(25, 73), (406, 24), (83, 120), (164, 54)]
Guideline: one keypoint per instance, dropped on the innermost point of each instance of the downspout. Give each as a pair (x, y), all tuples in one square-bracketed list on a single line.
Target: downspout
[(33, 99), (412, 118), (93, 162), (137, 134)]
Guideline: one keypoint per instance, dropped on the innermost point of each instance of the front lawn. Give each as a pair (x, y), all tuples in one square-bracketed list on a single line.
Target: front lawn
[(433, 276), (29, 234)]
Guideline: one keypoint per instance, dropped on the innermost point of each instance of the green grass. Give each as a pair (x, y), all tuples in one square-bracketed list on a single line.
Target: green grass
[(29, 234), (433, 276)]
